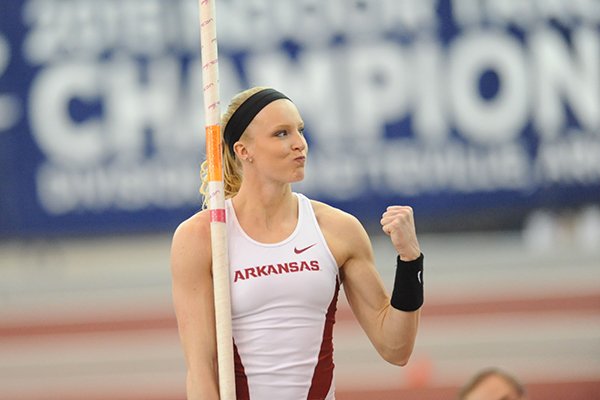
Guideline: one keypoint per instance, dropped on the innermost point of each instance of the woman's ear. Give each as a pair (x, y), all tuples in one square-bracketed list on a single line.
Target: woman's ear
[(240, 150)]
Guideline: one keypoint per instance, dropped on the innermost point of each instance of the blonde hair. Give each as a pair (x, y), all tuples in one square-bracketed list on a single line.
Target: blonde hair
[(232, 168)]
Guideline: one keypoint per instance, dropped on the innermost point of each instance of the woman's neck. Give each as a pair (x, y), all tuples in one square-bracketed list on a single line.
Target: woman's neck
[(261, 207)]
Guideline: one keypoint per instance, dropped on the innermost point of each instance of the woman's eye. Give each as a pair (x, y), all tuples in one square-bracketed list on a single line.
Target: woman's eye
[(301, 131), (281, 133)]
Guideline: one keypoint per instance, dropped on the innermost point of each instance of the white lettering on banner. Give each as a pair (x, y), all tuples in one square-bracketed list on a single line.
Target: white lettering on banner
[(10, 107), (59, 137), (525, 13), (310, 81), (155, 183), (573, 160), (563, 74), (87, 29), (133, 107), (405, 168), (488, 121), (408, 16), (136, 116), (359, 72), (260, 25), (379, 79), (372, 86), (109, 125), (429, 105)]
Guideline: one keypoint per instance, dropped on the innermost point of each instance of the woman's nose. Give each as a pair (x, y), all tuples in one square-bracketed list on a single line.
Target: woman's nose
[(299, 142)]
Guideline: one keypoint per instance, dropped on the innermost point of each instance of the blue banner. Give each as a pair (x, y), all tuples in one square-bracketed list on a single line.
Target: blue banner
[(473, 112)]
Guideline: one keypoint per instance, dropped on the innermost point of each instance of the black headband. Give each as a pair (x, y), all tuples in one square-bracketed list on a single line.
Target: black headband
[(246, 112)]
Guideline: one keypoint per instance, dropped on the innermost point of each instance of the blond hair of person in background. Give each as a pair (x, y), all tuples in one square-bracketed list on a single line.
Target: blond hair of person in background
[(492, 384)]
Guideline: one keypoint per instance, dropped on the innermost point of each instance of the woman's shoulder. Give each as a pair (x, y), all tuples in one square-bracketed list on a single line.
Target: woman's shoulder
[(196, 227), (191, 245), (332, 217), (344, 233)]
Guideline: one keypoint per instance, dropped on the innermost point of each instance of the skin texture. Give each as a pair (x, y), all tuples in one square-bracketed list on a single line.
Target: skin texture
[(273, 153)]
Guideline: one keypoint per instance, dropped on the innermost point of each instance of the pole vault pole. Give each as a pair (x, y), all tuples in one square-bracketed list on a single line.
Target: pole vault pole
[(216, 198)]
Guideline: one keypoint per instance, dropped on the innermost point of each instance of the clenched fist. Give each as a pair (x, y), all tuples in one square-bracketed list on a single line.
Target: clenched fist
[(399, 224)]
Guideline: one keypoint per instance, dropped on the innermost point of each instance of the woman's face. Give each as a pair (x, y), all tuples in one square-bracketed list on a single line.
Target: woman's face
[(275, 142)]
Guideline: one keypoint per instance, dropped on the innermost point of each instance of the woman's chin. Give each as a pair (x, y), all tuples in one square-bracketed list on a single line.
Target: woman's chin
[(298, 177)]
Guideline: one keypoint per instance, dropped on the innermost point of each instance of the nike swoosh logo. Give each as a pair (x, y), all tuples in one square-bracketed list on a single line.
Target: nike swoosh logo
[(299, 251), (419, 277)]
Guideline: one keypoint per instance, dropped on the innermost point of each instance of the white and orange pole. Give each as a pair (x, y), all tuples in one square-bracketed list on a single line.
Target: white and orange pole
[(216, 198)]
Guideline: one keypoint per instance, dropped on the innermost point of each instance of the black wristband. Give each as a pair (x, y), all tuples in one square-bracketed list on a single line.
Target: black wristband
[(407, 294)]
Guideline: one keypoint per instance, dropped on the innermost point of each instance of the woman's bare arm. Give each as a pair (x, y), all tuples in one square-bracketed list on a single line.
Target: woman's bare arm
[(392, 332), (194, 305)]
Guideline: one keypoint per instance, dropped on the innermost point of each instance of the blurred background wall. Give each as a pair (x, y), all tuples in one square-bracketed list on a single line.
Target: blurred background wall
[(484, 115)]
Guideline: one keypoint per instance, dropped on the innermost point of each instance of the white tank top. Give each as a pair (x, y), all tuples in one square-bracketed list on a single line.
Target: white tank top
[(284, 299)]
